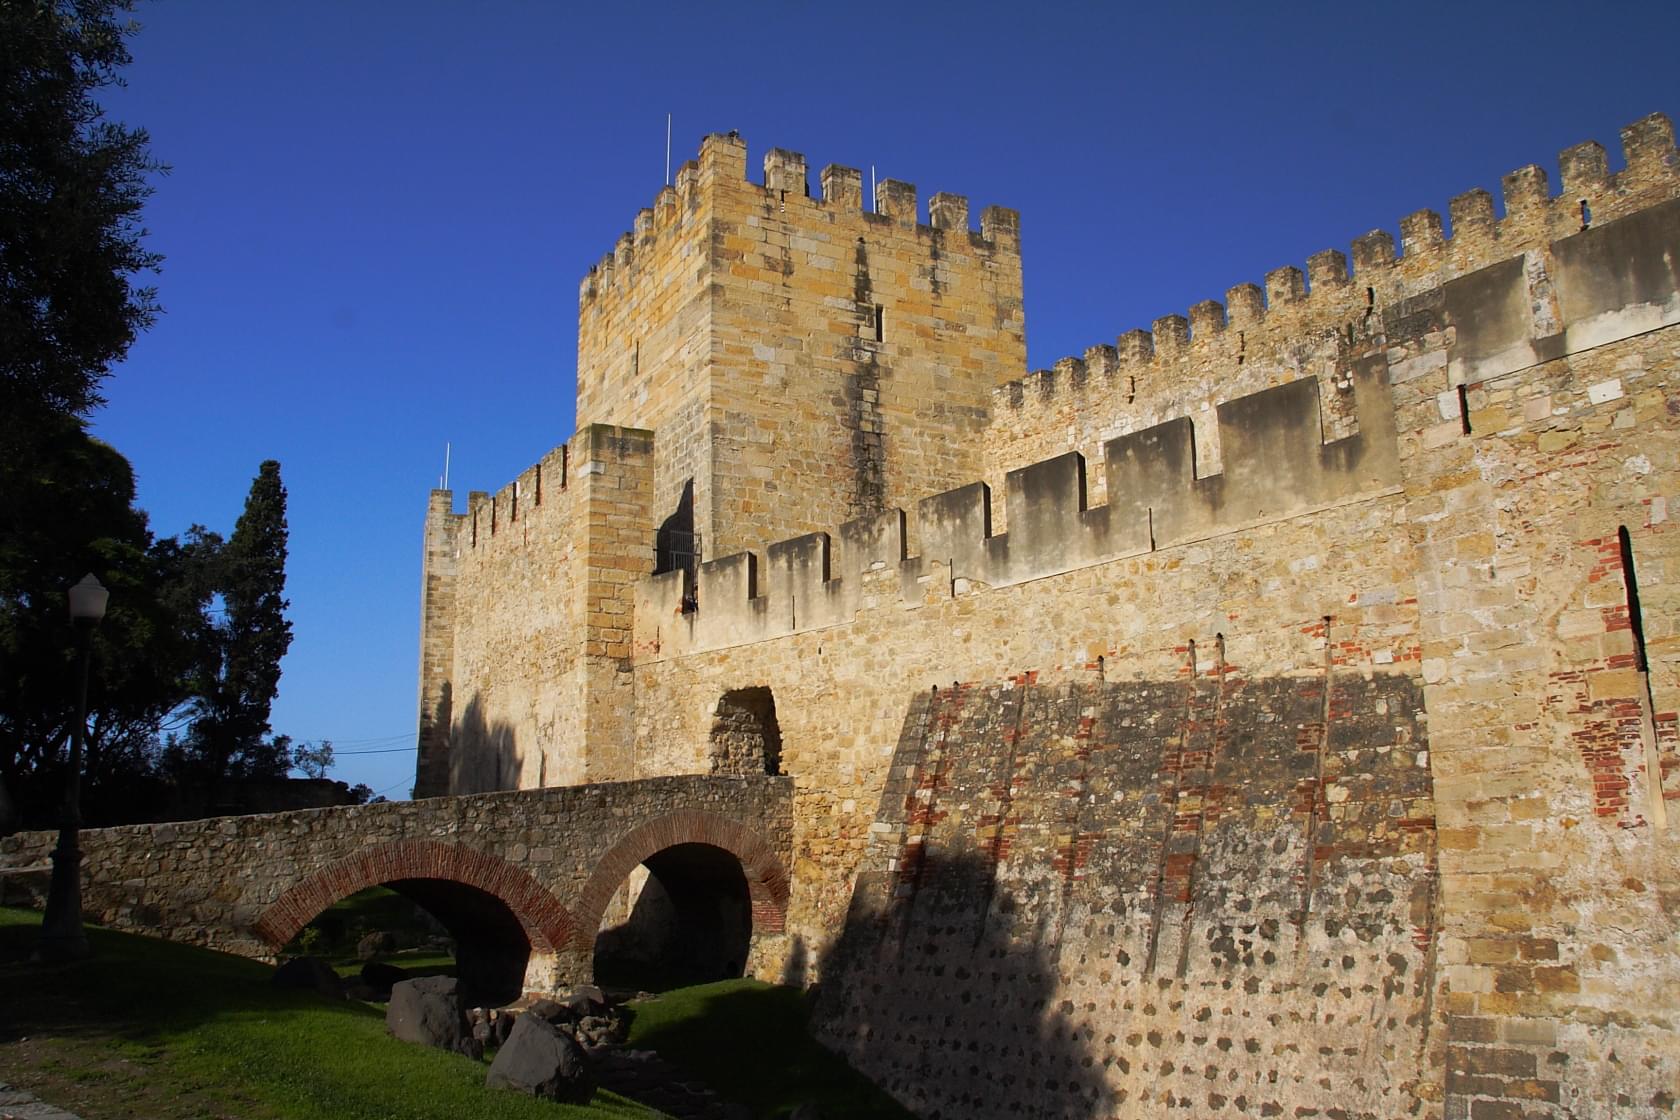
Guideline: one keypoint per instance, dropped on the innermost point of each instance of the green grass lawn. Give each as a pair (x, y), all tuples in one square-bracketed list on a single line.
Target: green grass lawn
[(146, 1028), (749, 1041)]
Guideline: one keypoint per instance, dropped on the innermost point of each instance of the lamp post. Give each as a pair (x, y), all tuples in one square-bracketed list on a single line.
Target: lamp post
[(62, 936)]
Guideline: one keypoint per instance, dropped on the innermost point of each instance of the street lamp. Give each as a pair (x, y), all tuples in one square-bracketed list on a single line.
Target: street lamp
[(62, 936)]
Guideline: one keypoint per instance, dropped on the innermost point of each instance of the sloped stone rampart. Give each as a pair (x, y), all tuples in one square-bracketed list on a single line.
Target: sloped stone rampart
[(1090, 899)]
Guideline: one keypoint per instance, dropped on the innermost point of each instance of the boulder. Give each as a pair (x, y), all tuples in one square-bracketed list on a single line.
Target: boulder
[(427, 1011), (382, 978), (375, 943), (551, 1011), (309, 974), (538, 1059), (585, 999)]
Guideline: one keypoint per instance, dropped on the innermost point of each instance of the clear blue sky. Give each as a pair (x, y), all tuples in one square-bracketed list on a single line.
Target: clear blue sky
[(378, 215)]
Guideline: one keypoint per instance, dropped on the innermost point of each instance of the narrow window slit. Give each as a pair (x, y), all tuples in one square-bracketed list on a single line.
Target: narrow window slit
[(880, 323), (1464, 408)]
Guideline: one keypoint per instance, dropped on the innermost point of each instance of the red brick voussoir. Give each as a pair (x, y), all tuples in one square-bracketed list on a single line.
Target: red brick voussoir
[(767, 879), (547, 923)]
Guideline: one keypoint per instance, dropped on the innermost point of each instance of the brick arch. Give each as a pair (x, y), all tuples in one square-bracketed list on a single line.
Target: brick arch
[(767, 879), (548, 925)]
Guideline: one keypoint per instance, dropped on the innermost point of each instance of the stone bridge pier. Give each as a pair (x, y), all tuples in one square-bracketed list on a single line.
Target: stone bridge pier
[(521, 879)]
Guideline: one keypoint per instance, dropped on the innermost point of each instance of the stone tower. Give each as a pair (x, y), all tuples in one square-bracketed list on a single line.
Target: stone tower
[(802, 361)]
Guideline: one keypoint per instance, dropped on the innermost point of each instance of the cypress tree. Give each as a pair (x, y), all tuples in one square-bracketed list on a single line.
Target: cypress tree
[(241, 674)]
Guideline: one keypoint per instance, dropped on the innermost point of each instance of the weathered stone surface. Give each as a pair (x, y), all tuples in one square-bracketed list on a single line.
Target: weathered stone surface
[(427, 1011), (540, 1060)]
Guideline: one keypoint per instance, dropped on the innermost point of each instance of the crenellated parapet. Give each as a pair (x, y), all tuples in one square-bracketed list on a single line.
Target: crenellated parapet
[(1312, 322), (1277, 465), (723, 157)]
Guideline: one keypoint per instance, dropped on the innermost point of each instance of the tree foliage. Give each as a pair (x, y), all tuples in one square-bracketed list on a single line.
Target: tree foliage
[(73, 512), (72, 184), (313, 759), (239, 671)]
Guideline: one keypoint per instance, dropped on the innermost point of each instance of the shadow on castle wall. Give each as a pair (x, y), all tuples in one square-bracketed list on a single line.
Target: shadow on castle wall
[(484, 755), (950, 1016)]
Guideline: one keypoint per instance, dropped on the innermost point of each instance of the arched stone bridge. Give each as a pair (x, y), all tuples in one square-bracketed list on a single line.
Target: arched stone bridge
[(533, 868)]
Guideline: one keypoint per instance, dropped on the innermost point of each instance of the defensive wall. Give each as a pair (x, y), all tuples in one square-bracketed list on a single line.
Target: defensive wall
[(1306, 675), (521, 879)]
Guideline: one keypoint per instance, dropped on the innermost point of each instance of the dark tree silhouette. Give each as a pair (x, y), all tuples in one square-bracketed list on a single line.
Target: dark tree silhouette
[(71, 189), (240, 673), (70, 510)]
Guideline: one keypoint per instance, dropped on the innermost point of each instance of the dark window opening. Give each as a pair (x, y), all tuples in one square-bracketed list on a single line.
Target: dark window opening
[(1464, 409), (746, 738), (1586, 214), (880, 323)]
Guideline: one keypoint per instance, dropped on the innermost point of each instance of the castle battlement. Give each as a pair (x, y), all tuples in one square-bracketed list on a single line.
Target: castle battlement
[(785, 177), (1277, 465), (1258, 324)]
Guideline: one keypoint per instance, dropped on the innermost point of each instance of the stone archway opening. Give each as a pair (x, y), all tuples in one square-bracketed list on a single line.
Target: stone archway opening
[(746, 738), (433, 926), (683, 916), (491, 949), (508, 930)]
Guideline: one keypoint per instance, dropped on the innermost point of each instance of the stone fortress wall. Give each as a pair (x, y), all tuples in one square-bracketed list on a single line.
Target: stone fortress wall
[(1320, 741)]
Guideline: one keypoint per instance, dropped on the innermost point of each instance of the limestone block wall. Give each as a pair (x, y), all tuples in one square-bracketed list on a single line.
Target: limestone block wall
[(853, 352), (1547, 568), (527, 639), (1262, 592), (644, 329), (1276, 465)]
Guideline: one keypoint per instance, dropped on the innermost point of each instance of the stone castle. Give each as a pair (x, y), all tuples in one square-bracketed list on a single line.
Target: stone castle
[(1279, 704)]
